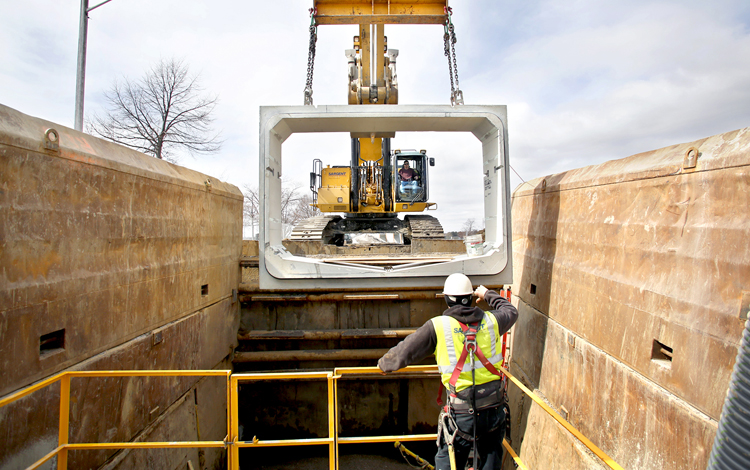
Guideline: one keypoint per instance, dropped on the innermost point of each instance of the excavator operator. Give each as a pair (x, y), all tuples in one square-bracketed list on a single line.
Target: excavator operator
[(466, 343), (408, 177)]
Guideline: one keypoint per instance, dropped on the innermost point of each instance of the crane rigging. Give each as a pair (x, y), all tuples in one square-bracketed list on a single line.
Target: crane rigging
[(379, 183)]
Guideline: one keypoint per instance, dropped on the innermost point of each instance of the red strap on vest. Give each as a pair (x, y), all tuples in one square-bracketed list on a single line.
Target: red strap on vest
[(470, 341)]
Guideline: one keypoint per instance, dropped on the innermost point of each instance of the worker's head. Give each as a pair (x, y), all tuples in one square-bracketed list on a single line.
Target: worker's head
[(458, 290), (406, 164)]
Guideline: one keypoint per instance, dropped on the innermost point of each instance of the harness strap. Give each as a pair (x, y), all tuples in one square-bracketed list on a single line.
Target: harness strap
[(470, 333), (487, 363), (471, 336)]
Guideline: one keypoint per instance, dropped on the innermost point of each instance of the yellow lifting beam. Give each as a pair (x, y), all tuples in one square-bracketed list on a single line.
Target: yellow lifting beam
[(379, 12)]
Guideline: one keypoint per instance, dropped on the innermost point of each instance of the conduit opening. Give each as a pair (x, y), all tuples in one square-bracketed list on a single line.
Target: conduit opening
[(51, 343), (661, 354), (204, 290), (532, 289)]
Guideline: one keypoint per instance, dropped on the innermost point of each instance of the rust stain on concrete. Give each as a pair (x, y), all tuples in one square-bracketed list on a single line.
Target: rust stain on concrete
[(634, 257), (33, 267)]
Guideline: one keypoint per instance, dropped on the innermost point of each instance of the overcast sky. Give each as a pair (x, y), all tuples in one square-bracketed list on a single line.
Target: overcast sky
[(585, 81)]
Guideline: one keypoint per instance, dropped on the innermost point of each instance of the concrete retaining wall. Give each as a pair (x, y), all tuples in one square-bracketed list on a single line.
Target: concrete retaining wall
[(111, 260), (616, 263)]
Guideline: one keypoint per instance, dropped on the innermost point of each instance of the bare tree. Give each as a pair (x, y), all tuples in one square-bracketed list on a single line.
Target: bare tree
[(159, 113), (250, 209), (304, 210), (468, 226), (290, 198), (294, 208)]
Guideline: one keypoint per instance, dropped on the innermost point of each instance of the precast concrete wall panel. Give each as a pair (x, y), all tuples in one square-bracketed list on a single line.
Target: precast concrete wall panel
[(102, 247), (646, 261), (103, 242), (125, 409)]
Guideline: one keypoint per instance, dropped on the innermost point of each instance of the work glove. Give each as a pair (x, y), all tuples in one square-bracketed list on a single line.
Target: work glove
[(480, 292)]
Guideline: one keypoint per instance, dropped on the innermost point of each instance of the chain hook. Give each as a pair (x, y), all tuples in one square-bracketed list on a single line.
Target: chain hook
[(449, 38), (311, 57)]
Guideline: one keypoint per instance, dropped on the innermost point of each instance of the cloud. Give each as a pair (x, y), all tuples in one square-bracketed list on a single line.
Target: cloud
[(585, 81), (600, 81)]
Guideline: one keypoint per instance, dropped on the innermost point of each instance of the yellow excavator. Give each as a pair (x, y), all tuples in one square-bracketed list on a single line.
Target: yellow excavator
[(379, 183)]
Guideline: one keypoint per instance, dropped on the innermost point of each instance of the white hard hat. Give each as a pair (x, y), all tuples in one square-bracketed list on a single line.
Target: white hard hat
[(457, 284)]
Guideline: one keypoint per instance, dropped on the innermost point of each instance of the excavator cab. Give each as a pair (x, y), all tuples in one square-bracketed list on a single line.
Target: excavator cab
[(411, 180)]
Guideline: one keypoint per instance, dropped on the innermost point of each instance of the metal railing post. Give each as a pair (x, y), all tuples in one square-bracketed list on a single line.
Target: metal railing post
[(234, 451), (64, 425), (229, 419), (332, 428)]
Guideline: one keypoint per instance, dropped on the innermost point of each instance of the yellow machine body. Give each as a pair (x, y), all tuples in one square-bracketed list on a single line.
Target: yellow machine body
[(370, 184), (334, 192)]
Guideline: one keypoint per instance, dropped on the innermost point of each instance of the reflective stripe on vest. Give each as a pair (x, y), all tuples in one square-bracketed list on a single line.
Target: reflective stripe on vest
[(450, 343)]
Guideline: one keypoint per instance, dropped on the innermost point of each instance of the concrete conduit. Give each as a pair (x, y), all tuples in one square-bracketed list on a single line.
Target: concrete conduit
[(732, 443)]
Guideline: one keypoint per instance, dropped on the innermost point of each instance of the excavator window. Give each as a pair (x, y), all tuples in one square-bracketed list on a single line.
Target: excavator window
[(410, 178)]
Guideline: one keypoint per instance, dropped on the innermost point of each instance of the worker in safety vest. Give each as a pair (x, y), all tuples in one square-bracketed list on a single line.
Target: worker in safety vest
[(474, 417)]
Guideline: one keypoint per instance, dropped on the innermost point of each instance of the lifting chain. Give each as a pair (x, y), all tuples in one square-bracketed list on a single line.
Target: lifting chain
[(449, 38), (311, 57)]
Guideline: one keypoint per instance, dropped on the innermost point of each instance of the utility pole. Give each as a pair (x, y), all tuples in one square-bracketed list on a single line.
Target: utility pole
[(83, 27)]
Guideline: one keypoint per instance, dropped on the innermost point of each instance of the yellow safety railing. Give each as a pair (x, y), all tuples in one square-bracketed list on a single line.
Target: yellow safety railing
[(596, 450), (234, 456), (232, 442), (63, 446), (342, 371)]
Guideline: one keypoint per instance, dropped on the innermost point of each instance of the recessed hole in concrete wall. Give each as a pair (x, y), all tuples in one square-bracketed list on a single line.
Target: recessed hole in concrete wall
[(661, 354), (532, 289), (52, 342), (204, 289)]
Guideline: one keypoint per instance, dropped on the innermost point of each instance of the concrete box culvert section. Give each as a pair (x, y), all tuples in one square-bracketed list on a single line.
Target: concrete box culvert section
[(280, 269)]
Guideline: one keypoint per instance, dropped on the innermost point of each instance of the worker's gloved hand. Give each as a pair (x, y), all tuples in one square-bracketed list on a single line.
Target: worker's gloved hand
[(480, 292)]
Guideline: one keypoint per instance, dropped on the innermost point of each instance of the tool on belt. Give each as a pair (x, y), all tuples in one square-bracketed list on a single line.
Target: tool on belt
[(445, 422)]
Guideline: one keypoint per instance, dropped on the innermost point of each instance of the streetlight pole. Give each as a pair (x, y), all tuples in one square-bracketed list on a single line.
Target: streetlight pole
[(83, 27)]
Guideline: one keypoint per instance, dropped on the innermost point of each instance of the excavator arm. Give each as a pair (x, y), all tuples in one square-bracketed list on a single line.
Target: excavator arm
[(372, 66)]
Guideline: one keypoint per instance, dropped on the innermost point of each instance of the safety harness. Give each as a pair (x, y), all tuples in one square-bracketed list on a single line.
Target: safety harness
[(446, 420), (470, 348)]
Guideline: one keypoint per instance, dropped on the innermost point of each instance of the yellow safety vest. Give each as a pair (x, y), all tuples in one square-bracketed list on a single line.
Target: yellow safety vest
[(450, 344)]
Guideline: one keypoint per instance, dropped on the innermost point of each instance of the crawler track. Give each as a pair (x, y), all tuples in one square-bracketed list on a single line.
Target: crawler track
[(312, 229), (425, 226), (325, 227)]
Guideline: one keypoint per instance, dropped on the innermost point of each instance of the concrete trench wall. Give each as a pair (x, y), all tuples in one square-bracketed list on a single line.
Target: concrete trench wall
[(612, 263), (137, 260)]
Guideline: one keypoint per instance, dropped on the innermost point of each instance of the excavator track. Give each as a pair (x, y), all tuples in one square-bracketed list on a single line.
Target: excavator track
[(312, 229), (425, 226)]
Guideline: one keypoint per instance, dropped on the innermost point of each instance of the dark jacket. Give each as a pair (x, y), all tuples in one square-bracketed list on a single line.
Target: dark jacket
[(422, 342)]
